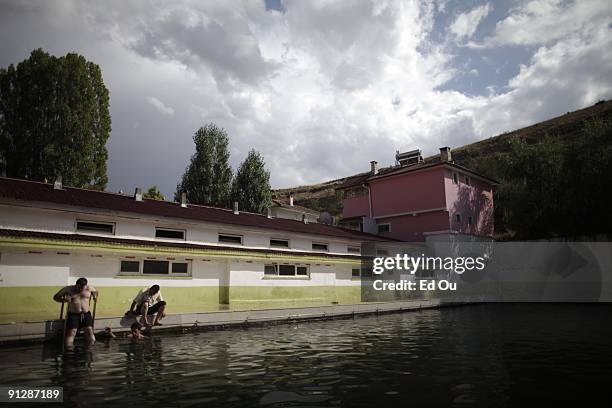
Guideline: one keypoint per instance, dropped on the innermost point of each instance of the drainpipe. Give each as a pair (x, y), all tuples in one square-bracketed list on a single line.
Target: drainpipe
[(369, 199)]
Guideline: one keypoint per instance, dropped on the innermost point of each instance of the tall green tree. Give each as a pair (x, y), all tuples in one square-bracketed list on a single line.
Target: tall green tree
[(251, 186), (54, 120), (154, 194), (207, 180), (555, 187)]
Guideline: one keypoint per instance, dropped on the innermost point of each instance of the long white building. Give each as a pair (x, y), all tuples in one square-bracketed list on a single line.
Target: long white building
[(204, 258)]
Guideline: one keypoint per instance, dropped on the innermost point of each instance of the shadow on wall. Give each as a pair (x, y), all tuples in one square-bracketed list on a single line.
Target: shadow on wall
[(474, 205)]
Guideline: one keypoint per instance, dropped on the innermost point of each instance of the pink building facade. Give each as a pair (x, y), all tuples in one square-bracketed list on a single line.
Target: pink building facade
[(411, 201)]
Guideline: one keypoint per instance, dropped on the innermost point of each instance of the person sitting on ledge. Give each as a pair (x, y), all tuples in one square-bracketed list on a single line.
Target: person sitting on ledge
[(148, 302)]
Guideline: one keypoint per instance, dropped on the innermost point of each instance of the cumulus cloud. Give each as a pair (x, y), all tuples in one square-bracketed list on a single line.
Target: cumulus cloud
[(543, 21), (159, 105), (320, 88), (466, 24)]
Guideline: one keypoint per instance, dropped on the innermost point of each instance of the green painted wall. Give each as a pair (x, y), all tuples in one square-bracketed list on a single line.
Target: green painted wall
[(36, 303), (284, 294), (18, 304)]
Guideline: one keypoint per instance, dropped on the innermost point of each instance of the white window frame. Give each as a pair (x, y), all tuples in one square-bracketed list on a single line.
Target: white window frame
[(112, 224), (354, 250), (320, 243), (280, 246), (230, 235), (380, 225), (171, 229), (141, 262), (295, 275)]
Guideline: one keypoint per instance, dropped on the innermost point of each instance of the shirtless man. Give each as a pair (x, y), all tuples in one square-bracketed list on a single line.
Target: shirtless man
[(79, 316)]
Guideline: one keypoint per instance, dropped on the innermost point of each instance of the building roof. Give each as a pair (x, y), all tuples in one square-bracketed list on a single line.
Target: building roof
[(33, 191), (96, 239), (280, 203), (363, 178)]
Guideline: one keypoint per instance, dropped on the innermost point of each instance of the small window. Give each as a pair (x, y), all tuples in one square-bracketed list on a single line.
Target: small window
[(279, 243), (286, 270), (458, 218), (455, 178), (353, 250), (317, 246), (155, 267), (91, 226), (468, 181), (301, 271), (130, 266), (169, 233), (270, 270), (384, 228), (180, 267), (355, 272), (230, 239)]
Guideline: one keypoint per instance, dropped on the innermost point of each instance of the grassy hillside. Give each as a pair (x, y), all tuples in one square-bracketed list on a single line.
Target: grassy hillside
[(322, 196)]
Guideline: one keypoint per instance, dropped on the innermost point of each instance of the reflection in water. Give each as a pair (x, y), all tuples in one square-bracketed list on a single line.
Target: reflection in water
[(486, 355)]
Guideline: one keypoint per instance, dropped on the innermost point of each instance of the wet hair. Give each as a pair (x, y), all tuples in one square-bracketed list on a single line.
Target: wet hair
[(81, 282), (135, 326), (155, 288)]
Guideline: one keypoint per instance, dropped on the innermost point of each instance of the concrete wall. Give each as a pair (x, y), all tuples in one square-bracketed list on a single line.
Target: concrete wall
[(29, 279)]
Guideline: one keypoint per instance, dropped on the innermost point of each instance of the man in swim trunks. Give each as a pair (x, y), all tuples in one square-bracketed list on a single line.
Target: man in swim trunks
[(78, 317), (148, 302)]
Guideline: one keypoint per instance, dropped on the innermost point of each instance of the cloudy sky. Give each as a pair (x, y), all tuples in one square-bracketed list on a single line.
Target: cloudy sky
[(320, 88)]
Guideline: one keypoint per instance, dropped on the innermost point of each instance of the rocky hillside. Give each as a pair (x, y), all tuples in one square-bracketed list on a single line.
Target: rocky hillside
[(322, 196)]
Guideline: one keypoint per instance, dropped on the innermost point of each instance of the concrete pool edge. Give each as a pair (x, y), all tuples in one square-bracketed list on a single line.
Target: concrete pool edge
[(40, 331)]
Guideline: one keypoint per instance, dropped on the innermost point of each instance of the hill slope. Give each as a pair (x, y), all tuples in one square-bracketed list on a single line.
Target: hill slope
[(322, 196)]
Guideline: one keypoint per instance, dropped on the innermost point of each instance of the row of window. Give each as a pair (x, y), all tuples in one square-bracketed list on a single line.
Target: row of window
[(154, 267), (286, 270), (183, 268), (179, 234)]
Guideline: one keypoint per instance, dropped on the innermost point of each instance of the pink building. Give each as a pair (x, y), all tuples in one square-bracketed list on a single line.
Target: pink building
[(414, 199)]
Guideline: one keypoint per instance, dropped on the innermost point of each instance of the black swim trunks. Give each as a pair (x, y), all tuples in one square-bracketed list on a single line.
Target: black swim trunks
[(153, 309), (79, 320)]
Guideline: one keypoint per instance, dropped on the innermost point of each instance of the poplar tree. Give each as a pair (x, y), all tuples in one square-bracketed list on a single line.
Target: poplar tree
[(54, 120), (251, 186), (207, 179)]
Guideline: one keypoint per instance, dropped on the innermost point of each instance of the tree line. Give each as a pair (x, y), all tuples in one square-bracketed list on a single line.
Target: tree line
[(55, 121), (556, 187)]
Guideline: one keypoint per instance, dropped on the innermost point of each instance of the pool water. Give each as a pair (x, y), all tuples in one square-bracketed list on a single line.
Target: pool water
[(479, 355)]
